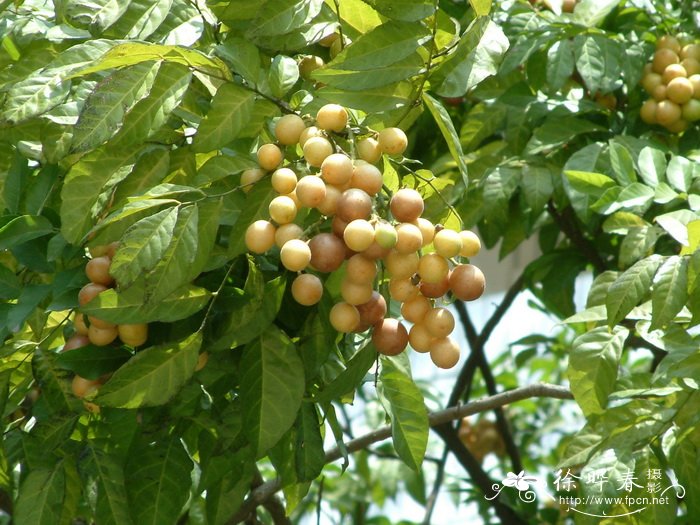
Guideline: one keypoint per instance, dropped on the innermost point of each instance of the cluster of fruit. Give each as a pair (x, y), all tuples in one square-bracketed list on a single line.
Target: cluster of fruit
[(672, 79), (92, 330), (354, 234)]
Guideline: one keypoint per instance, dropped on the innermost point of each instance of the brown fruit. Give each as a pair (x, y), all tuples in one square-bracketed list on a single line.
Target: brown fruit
[(406, 205), (133, 334), (327, 252), (88, 292), (289, 128), (112, 248), (76, 341), (102, 336), (434, 290), (390, 337), (97, 270), (467, 282), (307, 289), (354, 204), (329, 205), (82, 387), (444, 352), (372, 311)]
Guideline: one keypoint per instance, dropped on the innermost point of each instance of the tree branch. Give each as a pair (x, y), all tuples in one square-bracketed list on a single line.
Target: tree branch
[(567, 223), (262, 493)]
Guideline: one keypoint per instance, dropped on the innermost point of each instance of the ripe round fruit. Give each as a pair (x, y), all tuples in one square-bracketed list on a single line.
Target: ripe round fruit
[(328, 40), (568, 6), (695, 81), (673, 71), (338, 226), (308, 64), (76, 341), (679, 90), (102, 336), (133, 334), (88, 292), (97, 270), (250, 177), (433, 268), (448, 243), (420, 338), (269, 156), (358, 235), (444, 352), (401, 265), (434, 290), (336, 48), (668, 42), (344, 317), (659, 93), (691, 66), (360, 269), (287, 232), (439, 321), (467, 282), (415, 310), (376, 252), (662, 59), (470, 243), (99, 323), (368, 178), (307, 289), (691, 110), (260, 236), (295, 255), (678, 126), (79, 324), (392, 141), (336, 169), (82, 387), (406, 205), (329, 205), (282, 209), (667, 113), (690, 51), (371, 312), (112, 248), (427, 230), (402, 290), (284, 181), (316, 150), (651, 81), (385, 234), (389, 337), (408, 238), (327, 252), (368, 150), (354, 204), (332, 117), (311, 131), (288, 129), (311, 191)]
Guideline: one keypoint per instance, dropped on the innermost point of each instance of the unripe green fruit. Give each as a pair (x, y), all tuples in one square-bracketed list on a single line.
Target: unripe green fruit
[(269, 156), (133, 334), (344, 317), (316, 150), (250, 177), (358, 235), (448, 243), (433, 268), (311, 191), (392, 141), (337, 169), (406, 205), (288, 129), (385, 234), (295, 255), (368, 150), (332, 117), (260, 236), (390, 337), (284, 181), (444, 352), (307, 289), (282, 209)]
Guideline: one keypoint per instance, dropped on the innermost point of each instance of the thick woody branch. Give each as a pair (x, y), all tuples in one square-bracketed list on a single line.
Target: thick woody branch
[(262, 493)]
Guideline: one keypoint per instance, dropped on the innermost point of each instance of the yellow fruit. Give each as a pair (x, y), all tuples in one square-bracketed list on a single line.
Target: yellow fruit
[(392, 141), (448, 243), (307, 289), (284, 181), (295, 255), (679, 90), (332, 117), (648, 111), (269, 156), (260, 236), (282, 209), (316, 150), (470, 243), (444, 352), (667, 113), (662, 59), (344, 317), (390, 337), (289, 128), (368, 150), (250, 177), (133, 334)]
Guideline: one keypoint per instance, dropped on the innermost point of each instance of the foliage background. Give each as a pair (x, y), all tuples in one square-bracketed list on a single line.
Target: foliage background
[(132, 121)]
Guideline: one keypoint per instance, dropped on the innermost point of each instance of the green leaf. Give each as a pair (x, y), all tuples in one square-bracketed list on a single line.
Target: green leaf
[(230, 110), (593, 364), (592, 12), (350, 378), (33, 96), (159, 482), (152, 376), (560, 63), (105, 108), (481, 7), (282, 76), (537, 186), (310, 456), (55, 383), (622, 221), (21, 229), (85, 191), (622, 163), (630, 288), (130, 306), (98, 15), (478, 55), (676, 224), (638, 243), (409, 10), (670, 291), (632, 196), (243, 56), (45, 497), (409, 417), (558, 131), (221, 167), (283, 16), (372, 100), (142, 18), (256, 207), (272, 387), (360, 80), (652, 165), (680, 173), (226, 491), (143, 246), (693, 239), (444, 122), (685, 461), (92, 362), (153, 111), (598, 62), (111, 503)]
